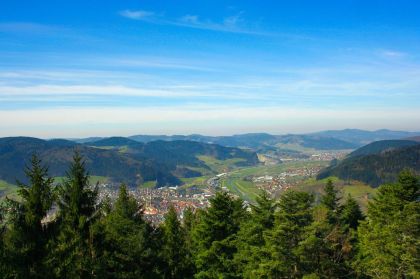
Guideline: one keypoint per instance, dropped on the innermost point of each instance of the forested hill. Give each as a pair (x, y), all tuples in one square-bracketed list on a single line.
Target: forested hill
[(324, 140), (255, 141), (260, 140), (377, 163), (381, 146), (121, 160), (363, 137)]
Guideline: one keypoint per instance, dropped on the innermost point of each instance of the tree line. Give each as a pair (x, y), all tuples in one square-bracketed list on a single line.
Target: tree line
[(65, 232)]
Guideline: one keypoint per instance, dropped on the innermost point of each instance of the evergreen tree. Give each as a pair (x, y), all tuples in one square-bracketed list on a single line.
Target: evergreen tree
[(174, 250), (214, 237), (123, 242), (350, 213), (188, 223), (27, 235), (250, 242), (77, 200), (327, 249), (282, 242), (389, 240), (330, 198), (331, 202), (189, 220)]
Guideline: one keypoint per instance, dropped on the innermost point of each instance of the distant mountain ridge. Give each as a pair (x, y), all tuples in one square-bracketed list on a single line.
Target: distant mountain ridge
[(377, 163), (123, 160), (324, 140), (362, 137)]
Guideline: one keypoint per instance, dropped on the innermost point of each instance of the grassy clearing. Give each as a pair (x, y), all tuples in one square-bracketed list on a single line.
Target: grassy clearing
[(103, 147), (200, 181), (246, 190), (297, 147), (148, 184), (219, 166), (277, 169), (7, 189), (358, 190)]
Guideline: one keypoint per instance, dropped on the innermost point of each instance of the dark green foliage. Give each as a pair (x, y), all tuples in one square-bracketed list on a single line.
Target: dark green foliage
[(71, 256), (330, 199), (378, 147), (251, 241), (124, 243), (214, 237), (291, 221), (390, 237), (377, 168), (177, 261), (27, 237), (351, 214)]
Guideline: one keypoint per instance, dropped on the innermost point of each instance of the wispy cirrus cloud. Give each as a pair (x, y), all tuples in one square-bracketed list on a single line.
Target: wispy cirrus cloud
[(137, 15), (232, 24), (392, 53)]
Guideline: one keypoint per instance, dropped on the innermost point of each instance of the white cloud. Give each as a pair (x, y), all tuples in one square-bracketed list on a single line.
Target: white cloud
[(57, 90), (137, 15), (392, 53), (229, 24), (192, 19)]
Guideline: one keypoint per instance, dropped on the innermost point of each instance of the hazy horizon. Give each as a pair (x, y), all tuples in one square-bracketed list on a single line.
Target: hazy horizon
[(108, 135), (77, 69)]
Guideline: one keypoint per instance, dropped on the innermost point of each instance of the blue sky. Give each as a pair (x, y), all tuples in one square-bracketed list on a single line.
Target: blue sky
[(86, 68)]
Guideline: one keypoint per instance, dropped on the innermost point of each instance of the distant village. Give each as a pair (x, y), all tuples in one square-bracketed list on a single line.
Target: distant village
[(156, 201)]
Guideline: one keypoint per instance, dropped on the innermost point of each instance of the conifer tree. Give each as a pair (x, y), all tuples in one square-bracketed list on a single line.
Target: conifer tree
[(188, 222), (77, 203), (123, 242), (27, 235), (330, 198), (250, 242), (214, 237), (351, 214), (389, 239), (282, 242), (331, 202), (174, 250)]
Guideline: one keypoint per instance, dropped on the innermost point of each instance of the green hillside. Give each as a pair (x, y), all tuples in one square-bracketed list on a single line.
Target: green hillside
[(378, 168), (163, 162), (358, 190), (7, 189)]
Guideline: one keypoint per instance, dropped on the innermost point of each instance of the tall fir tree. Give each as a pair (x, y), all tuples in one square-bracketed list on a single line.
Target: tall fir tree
[(178, 263), (123, 242), (214, 237), (389, 239), (77, 204), (351, 214), (327, 248), (331, 201), (282, 242), (250, 241), (28, 235)]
